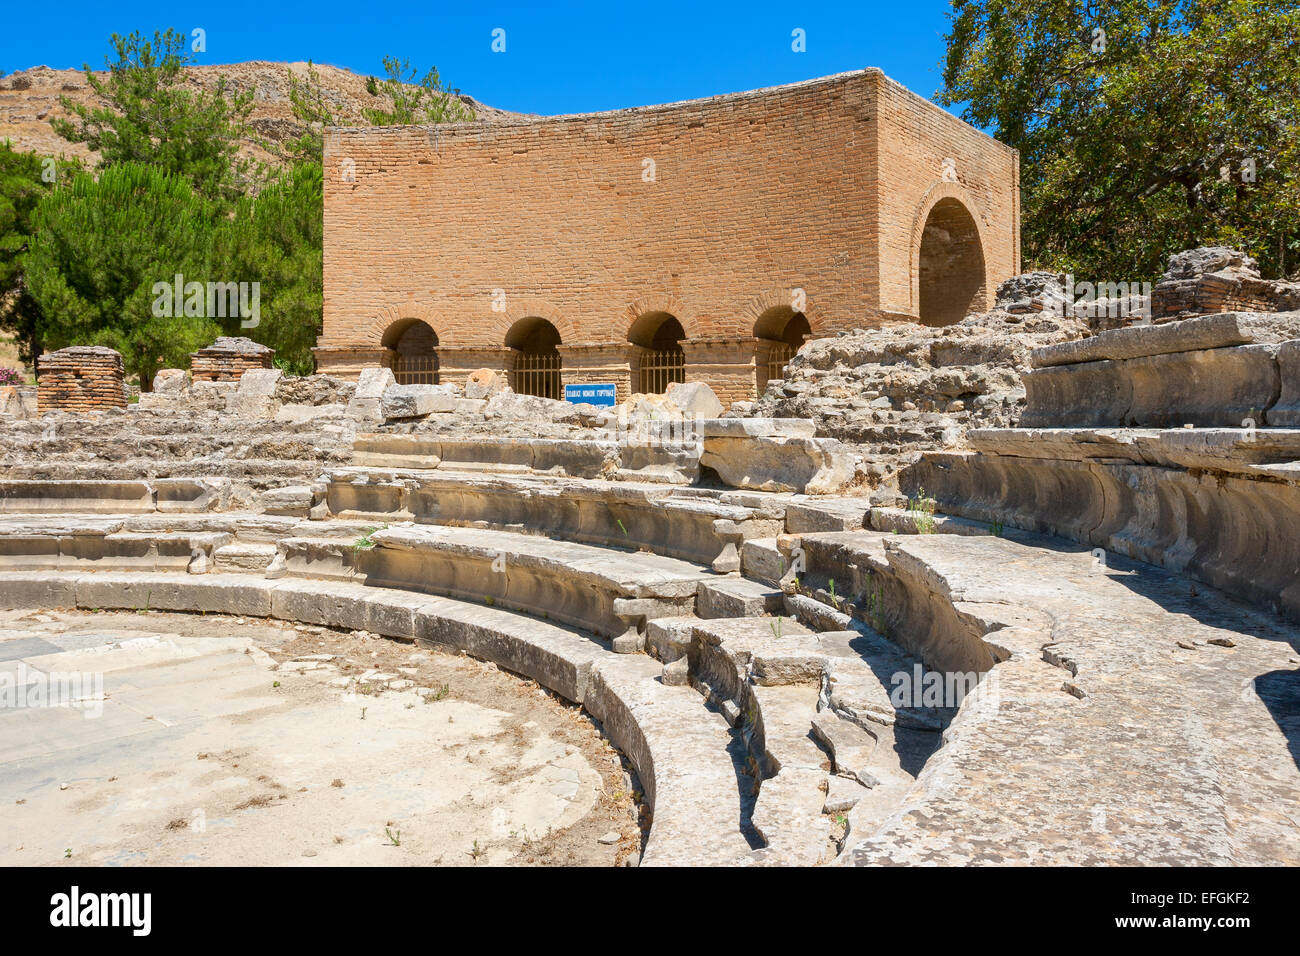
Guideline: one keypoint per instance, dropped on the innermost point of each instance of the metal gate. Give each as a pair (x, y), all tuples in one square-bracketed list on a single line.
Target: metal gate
[(777, 358), (416, 369), (538, 374), (661, 369)]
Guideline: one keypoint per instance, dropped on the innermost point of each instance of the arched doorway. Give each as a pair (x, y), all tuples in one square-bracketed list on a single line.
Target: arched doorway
[(951, 265), (660, 359), (536, 367), (415, 352), (780, 331)]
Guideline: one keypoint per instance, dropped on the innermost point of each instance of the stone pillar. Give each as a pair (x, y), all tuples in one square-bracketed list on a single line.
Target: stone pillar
[(725, 364), (81, 378), (608, 362), (228, 358)]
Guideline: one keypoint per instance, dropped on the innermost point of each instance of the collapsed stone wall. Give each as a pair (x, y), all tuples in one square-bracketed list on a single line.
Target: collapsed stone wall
[(1214, 279), (903, 390)]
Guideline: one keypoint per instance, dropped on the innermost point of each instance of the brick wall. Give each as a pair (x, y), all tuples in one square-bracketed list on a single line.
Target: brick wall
[(816, 186), (81, 378)]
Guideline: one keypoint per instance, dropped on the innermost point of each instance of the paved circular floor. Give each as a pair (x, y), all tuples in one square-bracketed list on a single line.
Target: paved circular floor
[(158, 738)]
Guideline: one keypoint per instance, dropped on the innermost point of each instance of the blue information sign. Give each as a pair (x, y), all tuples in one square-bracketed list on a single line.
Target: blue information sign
[(591, 393)]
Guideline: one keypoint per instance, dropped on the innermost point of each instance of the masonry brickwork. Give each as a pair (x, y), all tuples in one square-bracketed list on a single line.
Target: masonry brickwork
[(713, 233), (228, 358), (81, 378)]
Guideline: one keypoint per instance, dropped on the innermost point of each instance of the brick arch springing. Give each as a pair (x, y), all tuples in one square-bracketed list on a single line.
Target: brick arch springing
[(500, 323), (770, 299), (658, 302), (390, 316), (949, 259)]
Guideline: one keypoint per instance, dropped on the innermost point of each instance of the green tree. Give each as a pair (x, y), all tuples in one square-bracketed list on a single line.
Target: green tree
[(275, 240), (152, 118), (311, 106), (424, 101), (25, 179), (99, 248), (1140, 124)]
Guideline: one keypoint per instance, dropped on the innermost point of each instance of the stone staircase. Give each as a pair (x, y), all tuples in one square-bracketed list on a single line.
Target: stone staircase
[(745, 649)]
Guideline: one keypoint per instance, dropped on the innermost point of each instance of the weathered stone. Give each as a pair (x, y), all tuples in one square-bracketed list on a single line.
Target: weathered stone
[(677, 673), (850, 746), (255, 396), (371, 385), (694, 398), (806, 465), (1285, 412), (484, 383), (1191, 335), (842, 794), (171, 381), (1210, 388), (416, 401)]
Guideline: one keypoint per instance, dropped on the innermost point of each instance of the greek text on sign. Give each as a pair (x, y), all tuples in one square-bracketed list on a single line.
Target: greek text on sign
[(591, 393)]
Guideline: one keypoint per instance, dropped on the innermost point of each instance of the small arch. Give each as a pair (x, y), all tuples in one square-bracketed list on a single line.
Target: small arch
[(778, 302), (659, 358), (535, 363), (780, 331), (949, 273), (523, 308), (414, 347), (663, 303)]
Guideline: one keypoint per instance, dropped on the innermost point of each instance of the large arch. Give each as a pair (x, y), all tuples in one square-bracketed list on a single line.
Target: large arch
[(535, 364), (657, 354), (949, 267), (413, 347)]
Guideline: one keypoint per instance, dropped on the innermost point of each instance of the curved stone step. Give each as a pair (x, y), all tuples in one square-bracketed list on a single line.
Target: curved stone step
[(1153, 721), (703, 529), (1220, 505), (103, 496), (675, 464), (684, 755), (602, 590)]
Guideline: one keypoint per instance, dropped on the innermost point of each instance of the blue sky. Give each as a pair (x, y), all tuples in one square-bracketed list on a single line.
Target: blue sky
[(559, 58)]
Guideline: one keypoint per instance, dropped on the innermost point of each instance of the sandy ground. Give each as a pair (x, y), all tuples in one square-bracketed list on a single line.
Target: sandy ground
[(187, 739)]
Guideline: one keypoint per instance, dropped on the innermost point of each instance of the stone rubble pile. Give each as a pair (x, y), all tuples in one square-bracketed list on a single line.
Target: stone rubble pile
[(898, 391)]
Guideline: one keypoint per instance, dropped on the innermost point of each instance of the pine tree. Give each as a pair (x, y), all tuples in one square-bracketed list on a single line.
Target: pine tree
[(99, 249)]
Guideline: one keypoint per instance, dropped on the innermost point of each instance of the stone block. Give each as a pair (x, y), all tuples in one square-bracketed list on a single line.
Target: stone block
[(417, 401), (694, 398)]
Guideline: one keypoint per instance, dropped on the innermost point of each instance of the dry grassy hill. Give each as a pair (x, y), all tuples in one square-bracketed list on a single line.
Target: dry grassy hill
[(28, 99)]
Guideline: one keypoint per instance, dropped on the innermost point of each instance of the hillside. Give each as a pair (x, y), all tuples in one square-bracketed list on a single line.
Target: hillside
[(29, 98)]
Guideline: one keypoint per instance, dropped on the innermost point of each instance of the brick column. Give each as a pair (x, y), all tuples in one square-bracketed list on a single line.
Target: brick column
[(725, 364), (228, 358), (81, 378), (348, 362), (607, 362)]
